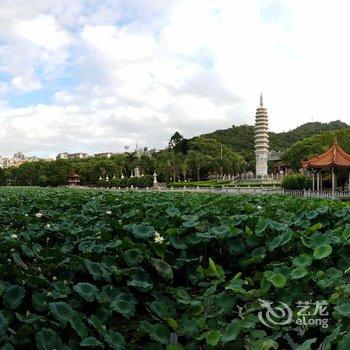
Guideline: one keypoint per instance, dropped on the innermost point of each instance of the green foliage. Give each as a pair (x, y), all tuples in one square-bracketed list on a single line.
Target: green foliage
[(315, 145), (2, 177), (76, 276), (241, 138), (296, 182), (140, 182)]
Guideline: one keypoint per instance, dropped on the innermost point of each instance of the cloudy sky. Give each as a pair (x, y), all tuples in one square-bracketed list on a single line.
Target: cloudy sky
[(95, 75)]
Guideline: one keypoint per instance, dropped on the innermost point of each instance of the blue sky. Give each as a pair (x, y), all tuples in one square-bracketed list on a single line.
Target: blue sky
[(96, 75)]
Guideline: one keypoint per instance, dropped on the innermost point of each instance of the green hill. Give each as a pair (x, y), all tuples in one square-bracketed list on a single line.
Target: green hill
[(241, 138), (316, 144)]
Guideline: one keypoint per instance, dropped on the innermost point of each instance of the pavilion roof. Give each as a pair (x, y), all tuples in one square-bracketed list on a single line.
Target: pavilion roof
[(73, 175), (334, 157)]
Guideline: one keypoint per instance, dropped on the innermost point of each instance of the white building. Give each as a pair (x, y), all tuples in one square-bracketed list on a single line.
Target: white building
[(261, 139)]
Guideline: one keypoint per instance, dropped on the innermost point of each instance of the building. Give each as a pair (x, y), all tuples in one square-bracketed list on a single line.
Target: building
[(79, 155), (103, 155), (73, 179), (261, 140), (332, 161), (63, 155), (19, 155)]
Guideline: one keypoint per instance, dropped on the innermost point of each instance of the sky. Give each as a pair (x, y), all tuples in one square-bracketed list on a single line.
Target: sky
[(97, 75)]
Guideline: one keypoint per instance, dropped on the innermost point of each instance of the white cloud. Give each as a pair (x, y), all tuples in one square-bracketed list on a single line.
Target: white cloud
[(119, 44), (26, 83), (43, 31)]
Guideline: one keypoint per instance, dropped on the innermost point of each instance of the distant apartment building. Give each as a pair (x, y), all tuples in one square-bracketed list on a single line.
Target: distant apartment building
[(18, 159), (103, 155), (19, 155), (66, 155), (63, 155), (79, 155)]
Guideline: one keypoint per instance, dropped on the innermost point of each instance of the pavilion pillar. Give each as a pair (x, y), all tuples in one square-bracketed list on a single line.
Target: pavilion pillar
[(349, 182), (321, 181), (333, 180), (318, 182), (313, 181)]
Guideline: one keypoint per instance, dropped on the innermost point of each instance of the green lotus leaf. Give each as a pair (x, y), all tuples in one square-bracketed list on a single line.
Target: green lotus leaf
[(162, 308), (278, 280), (299, 272), (163, 268), (133, 257), (14, 296), (140, 280), (2, 288), (322, 251), (143, 230), (87, 291), (307, 344), (157, 331), (176, 346), (213, 337), (94, 269), (189, 220), (235, 286), (280, 240), (39, 301), (123, 307), (344, 344), (47, 339), (115, 340), (343, 309), (232, 331), (7, 346), (319, 239), (346, 232), (172, 211), (261, 226), (124, 303), (91, 342), (302, 260), (4, 323), (62, 311), (78, 325)]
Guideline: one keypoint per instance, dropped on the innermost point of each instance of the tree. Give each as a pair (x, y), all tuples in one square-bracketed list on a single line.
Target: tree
[(2, 177), (178, 143), (197, 161)]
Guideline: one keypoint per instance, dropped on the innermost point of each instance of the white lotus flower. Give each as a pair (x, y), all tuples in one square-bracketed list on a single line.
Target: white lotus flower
[(158, 238), (14, 236), (48, 225), (39, 215), (259, 207), (108, 212)]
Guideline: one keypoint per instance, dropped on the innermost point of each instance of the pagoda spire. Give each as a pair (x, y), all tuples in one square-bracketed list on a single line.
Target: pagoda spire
[(261, 139)]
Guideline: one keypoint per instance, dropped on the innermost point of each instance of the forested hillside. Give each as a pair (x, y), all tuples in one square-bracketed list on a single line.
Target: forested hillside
[(241, 138), (315, 145)]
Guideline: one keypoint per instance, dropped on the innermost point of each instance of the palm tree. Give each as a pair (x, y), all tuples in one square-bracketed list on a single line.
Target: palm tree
[(197, 161)]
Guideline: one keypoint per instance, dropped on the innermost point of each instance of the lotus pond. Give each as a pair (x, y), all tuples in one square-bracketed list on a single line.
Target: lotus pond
[(132, 270)]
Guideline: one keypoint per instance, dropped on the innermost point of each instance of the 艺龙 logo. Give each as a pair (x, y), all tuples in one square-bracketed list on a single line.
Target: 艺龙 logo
[(275, 316)]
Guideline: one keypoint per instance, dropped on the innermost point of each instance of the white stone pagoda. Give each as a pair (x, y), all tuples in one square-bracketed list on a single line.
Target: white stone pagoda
[(261, 140)]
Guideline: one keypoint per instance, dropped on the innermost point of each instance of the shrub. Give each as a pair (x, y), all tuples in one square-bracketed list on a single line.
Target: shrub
[(296, 182), (140, 182)]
